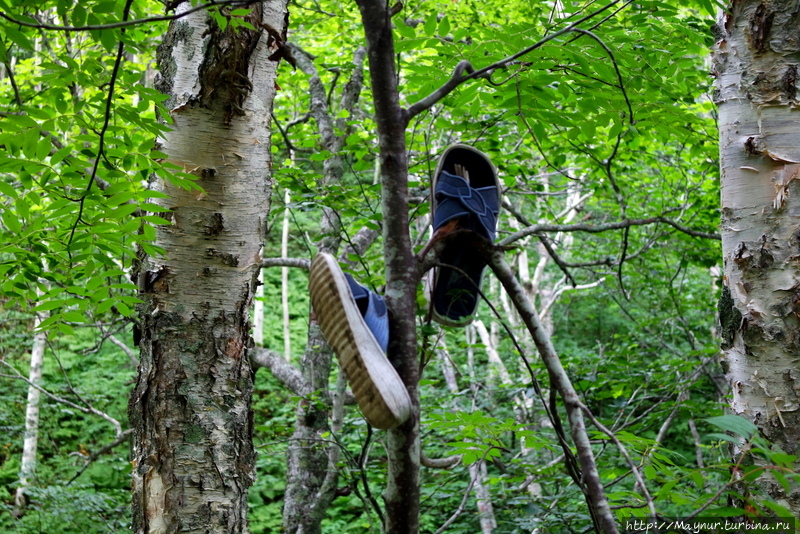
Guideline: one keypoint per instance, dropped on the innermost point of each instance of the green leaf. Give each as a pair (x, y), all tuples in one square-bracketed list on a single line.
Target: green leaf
[(122, 211), (650, 472), (19, 38), (105, 7), (7, 190), (430, 25), (109, 40), (733, 423), (404, 30), (11, 222)]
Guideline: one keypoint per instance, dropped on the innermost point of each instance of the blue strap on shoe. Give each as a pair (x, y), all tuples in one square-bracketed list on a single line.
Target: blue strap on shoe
[(373, 309), (456, 198)]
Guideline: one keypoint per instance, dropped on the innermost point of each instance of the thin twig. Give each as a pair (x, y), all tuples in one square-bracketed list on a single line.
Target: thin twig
[(616, 69), (106, 120), (12, 79), (90, 410), (460, 508), (99, 452), (634, 468), (560, 382)]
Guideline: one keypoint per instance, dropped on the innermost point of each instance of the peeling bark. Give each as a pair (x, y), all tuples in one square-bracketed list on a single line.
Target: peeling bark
[(193, 452), (755, 61)]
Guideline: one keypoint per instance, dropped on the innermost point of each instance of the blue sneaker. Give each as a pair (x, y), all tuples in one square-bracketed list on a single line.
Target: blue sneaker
[(355, 322), (466, 196)]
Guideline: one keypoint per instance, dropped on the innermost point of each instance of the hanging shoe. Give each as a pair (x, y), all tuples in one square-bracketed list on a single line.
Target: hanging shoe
[(355, 322), (466, 196)]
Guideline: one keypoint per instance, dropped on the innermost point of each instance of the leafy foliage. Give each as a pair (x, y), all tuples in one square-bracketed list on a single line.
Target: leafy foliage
[(607, 125)]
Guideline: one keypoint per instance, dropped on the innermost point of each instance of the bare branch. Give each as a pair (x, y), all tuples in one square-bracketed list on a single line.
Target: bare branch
[(106, 120), (599, 228), (562, 289), (616, 68), (119, 343), (13, 80), (284, 131), (358, 245), (285, 372), (456, 79), (99, 452), (448, 462), (87, 410), (460, 508), (300, 263), (631, 464)]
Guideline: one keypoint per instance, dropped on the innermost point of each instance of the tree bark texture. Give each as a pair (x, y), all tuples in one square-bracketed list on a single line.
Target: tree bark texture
[(193, 451), (31, 440), (756, 60), (402, 268)]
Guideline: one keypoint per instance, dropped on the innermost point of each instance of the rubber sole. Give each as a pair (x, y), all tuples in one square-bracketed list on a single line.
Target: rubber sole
[(378, 389)]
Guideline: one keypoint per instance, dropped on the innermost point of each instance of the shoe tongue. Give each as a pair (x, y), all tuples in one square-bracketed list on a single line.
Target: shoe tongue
[(378, 305), (360, 294)]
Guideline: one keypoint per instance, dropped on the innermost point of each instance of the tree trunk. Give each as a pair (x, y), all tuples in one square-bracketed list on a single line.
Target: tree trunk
[(193, 451), (755, 60), (29, 446), (402, 495)]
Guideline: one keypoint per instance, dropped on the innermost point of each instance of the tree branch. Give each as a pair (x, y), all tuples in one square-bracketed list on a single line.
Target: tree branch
[(596, 229), (634, 468), (300, 263), (87, 410), (286, 373), (448, 462), (99, 452), (464, 66), (460, 508), (560, 381), (456, 79)]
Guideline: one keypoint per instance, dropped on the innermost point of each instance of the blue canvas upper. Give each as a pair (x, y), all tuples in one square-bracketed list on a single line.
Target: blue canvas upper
[(375, 315), (456, 198)]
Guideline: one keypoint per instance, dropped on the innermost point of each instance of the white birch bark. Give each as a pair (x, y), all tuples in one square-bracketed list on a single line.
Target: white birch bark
[(31, 440), (287, 340), (193, 452), (756, 62)]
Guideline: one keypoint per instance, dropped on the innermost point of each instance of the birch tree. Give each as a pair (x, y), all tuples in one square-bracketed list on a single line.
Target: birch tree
[(193, 448), (30, 446), (755, 63)]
